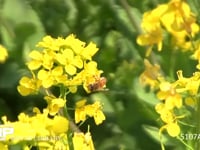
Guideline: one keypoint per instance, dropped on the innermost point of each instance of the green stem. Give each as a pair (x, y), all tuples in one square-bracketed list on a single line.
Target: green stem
[(132, 19), (64, 112), (69, 133), (182, 141)]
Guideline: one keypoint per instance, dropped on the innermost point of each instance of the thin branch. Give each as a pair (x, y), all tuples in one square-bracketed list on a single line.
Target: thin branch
[(130, 16)]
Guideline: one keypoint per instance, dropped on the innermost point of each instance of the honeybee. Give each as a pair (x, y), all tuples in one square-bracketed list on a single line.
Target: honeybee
[(98, 85)]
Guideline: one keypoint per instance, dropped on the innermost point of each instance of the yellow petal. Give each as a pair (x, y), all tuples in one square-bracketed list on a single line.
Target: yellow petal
[(70, 69), (173, 129)]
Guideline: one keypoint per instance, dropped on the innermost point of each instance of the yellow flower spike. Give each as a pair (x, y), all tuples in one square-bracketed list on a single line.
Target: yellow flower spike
[(3, 54)]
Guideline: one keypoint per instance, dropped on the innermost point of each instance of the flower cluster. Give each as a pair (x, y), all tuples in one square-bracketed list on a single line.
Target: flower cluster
[(175, 96), (66, 64), (175, 18)]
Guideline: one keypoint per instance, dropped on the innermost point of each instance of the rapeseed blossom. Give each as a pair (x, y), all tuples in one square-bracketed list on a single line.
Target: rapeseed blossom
[(92, 110), (175, 21), (151, 75), (66, 64), (60, 62), (175, 18)]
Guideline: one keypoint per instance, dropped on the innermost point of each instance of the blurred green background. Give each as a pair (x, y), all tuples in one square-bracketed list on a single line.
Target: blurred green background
[(113, 25)]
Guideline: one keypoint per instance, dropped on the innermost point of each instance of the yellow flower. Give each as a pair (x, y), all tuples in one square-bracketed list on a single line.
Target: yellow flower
[(188, 84), (180, 22), (51, 77), (70, 61), (92, 110), (36, 63), (95, 111), (152, 27), (3, 54), (80, 113), (173, 129), (178, 17), (149, 39), (151, 19), (82, 141), (38, 127), (54, 104), (151, 75), (169, 95), (169, 118), (89, 51), (75, 44), (45, 59), (28, 86), (50, 43), (166, 115)]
